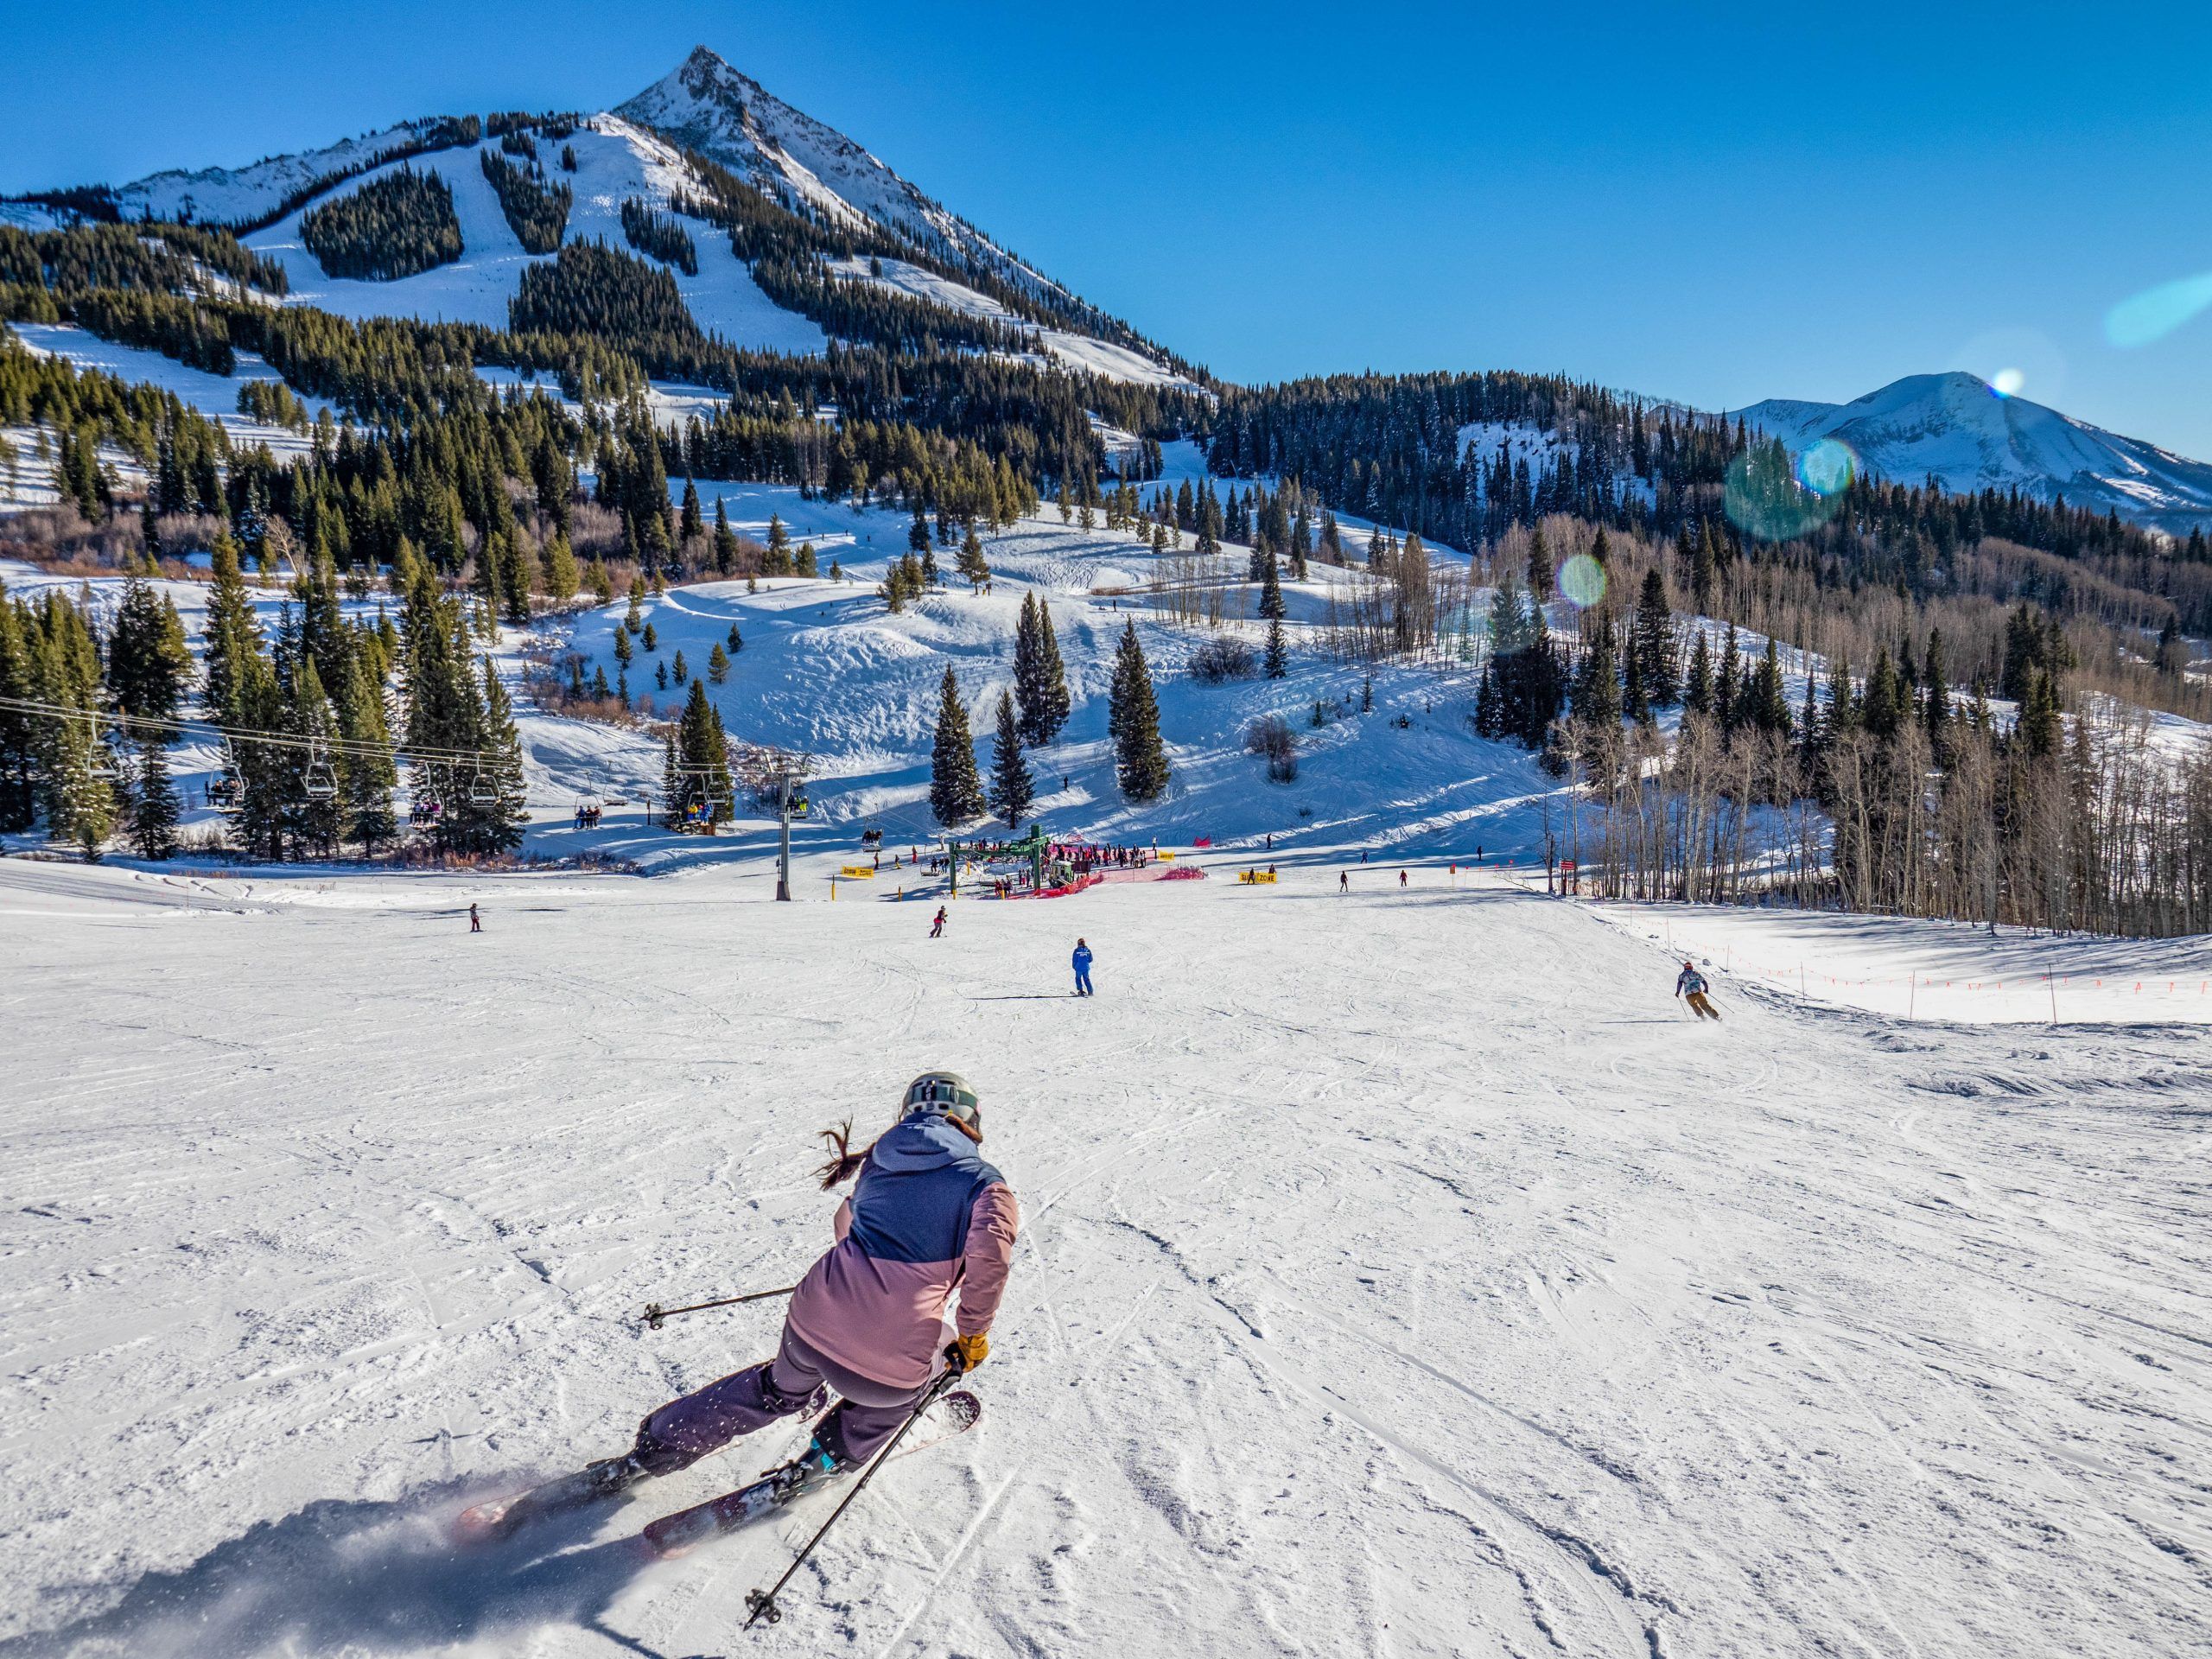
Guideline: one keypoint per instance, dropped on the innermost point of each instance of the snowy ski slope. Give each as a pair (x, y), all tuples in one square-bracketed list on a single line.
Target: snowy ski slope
[(1402, 1274)]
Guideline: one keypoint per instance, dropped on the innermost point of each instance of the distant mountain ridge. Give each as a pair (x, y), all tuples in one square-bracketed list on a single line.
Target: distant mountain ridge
[(1972, 437)]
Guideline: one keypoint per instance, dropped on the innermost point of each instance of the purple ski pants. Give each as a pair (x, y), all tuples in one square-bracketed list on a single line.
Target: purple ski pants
[(684, 1431)]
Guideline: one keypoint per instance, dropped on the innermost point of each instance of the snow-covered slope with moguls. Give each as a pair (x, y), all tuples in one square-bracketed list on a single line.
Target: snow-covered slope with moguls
[(1972, 437), (615, 161)]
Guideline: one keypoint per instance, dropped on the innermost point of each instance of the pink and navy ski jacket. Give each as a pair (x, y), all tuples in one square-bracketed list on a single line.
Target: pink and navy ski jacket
[(929, 1216)]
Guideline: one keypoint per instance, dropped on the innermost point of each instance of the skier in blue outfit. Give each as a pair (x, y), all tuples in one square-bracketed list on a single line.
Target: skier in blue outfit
[(1082, 969)]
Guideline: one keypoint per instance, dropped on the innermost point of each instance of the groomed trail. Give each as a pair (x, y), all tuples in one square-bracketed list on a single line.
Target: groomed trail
[(1403, 1274)]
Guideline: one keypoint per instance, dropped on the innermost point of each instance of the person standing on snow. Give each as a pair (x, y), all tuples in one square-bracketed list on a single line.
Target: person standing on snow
[(476, 922), (928, 1219), (1082, 969), (1690, 984), (937, 927)]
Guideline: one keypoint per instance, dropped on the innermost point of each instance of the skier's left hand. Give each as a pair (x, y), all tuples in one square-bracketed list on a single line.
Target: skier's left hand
[(966, 1353)]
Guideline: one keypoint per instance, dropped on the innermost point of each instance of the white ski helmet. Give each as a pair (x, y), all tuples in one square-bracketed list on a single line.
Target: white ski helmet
[(945, 1094)]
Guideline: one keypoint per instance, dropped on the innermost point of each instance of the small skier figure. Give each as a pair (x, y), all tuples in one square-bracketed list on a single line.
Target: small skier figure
[(929, 1218), (1271, 840), (937, 927), (1402, 878), (476, 922), (1690, 985), (1344, 880), (1082, 969)]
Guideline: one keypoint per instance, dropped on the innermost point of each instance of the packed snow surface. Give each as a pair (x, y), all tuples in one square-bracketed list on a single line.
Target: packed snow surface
[(1973, 438), (1402, 1271)]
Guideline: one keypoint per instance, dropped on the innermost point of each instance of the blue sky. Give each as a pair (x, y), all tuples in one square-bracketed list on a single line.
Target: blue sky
[(1716, 204)]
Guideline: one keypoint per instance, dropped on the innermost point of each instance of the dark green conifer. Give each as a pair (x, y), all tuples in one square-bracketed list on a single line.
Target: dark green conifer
[(955, 792), (1012, 788), (1133, 718)]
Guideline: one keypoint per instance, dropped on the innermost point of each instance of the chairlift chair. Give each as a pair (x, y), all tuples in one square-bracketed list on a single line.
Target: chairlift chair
[(320, 781), (225, 790), (480, 790)]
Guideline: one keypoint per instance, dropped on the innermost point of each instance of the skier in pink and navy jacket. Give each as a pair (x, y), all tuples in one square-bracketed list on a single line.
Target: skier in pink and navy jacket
[(929, 1218)]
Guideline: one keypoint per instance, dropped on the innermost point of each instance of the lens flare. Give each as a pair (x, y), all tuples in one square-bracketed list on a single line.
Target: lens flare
[(1582, 579), (1769, 499), (1827, 466), (2157, 311), (2010, 361)]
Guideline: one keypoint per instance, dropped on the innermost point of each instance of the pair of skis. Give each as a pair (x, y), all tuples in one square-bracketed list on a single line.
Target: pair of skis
[(949, 1413)]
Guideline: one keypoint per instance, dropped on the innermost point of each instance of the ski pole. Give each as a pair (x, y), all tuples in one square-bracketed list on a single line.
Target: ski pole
[(655, 1313), (762, 1604)]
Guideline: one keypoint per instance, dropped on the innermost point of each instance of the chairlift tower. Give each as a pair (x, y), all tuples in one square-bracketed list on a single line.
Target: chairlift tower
[(775, 775)]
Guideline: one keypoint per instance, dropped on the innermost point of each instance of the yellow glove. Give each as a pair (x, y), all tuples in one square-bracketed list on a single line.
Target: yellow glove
[(966, 1353)]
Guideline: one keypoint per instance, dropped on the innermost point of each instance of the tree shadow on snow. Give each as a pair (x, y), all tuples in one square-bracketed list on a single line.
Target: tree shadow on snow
[(341, 1576)]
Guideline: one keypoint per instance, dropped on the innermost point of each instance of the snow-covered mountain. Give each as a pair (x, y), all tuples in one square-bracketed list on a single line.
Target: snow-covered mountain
[(1973, 437), (728, 117), (703, 106), (241, 195)]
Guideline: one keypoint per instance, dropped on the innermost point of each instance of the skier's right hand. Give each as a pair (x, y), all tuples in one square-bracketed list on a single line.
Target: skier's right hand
[(966, 1353)]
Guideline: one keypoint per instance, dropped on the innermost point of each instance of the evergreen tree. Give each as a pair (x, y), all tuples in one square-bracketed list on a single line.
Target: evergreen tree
[(1271, 599), (1936, 708), (370, 773), (496, 826), (1726, 684), (1770, 698), (1543, 577), (232, 634), (1635, 703), (1653, 642), (1278, 657), (1040, 679), (674, 789), (1133, 718), (148, 657), (1597, 684), (1012, 788), (1883, 694), (975, 570), (704, 749), (2040, 724), (18, 729), (562, 578), (315, 821), (955, 792), (154, 804), (692, 524), (718, 665), (1842, 714), (1697, 693), (725, 542)]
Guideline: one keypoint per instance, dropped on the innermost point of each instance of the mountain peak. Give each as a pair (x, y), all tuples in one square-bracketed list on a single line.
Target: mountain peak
[(1972, 436), (707, 104)]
